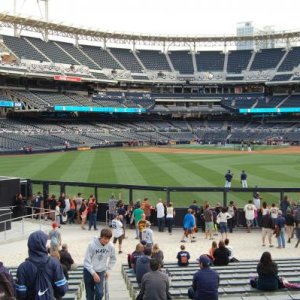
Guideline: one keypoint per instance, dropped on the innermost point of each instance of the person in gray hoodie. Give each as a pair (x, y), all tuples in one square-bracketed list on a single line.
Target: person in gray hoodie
[(99, 259)]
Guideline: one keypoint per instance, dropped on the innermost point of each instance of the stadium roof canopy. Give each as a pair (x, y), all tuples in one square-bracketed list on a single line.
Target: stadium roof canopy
[(79, 33)]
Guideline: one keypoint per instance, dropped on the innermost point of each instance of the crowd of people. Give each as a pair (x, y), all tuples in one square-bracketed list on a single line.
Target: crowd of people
[(48, 253)]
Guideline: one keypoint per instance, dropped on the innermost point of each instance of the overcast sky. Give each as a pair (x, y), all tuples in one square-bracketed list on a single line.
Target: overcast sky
[(182, 17)]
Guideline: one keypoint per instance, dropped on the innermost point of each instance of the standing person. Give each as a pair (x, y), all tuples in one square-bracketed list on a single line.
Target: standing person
[(142, 226), (244, 179), (160, 214), (147, 235), (8, 288), (62, 207), (205, 281), (38, 205), (170, 217), (231, 209), (297, 235), (257, 214), (20, 205), (280, 225), (78, 201), (55, 238), (188, 226), (146, 207), (265, 210), (228, 178), (183, 257), (118, 231), (290, 223), (83, 213), (274, 212), (92, 212), (121, 211), (71, 213), (284, 205), (267, 229), (137, 216), (99, 260), (155, 284), (52, 206), (249, 210), (209, 222), (38, 259), (222, 218)]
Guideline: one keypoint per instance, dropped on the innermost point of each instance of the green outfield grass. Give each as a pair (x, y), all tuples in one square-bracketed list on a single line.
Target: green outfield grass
[(126, 167)]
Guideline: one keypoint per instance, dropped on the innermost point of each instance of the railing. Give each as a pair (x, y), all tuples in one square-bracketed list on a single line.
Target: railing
[(39, 216)]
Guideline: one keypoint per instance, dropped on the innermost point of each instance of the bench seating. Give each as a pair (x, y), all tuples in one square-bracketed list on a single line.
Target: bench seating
[(234, 280), (76, 284)]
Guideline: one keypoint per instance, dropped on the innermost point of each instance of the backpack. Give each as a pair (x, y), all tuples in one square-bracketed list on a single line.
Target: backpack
[(42, 287)]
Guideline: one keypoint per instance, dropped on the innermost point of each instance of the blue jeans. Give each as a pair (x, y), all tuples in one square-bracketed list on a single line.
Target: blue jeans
[(281, 239), (169, 222), (92, 220), (94, 291)]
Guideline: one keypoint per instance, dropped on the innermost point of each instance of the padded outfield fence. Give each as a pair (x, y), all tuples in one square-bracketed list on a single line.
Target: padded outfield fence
[(165, 192)]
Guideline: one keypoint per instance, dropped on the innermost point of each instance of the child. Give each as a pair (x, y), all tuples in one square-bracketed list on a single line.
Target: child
[(211, 251), (118, 231), (183, 257), (147, 235)]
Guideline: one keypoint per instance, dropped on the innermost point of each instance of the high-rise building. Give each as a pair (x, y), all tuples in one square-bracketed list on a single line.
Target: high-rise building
[(245, 29)]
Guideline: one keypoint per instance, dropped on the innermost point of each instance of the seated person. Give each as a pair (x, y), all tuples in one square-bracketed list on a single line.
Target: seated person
[(183, 257), (221, 255), (139, 251), (143, 265), (231, 256), (267, 270), (212, 250), (66, 258), (158, 254)]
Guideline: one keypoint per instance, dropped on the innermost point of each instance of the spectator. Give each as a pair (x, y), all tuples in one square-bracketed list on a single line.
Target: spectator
[(146, 207), (267, 270), (274, 212), (160, 214), (265, 210), (297, 235), (121, 211), (38, 257), (20, 205), (221, 255), (84, 213), (66, 258), (183, 257), (232, 211), (249, 210), (188, 226), (147, 235), (56, 255), (139, 251), (78, 201), (7, 286), (157, 254), (118, 231), (267, 229), (209, 222), (205, 281), (55, 238), (290, 221), (99, 260), (72, 211), (222, 218), (284, 204), (211, 251), (92, 212), (155, 284), (170, 217), (137, 216), (142, 226), (52, 206), (230, 249), (280, 226), (143, 265), (38, 205)]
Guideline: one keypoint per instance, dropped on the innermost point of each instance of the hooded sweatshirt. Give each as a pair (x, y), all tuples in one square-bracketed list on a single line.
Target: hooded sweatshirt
[(142, 267), (27, 271), (99, 258)]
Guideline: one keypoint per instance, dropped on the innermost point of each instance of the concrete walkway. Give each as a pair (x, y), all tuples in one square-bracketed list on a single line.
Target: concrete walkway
[(246, 246)]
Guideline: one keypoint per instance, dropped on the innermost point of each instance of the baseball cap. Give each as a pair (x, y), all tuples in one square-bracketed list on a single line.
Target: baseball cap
[(204, 260)]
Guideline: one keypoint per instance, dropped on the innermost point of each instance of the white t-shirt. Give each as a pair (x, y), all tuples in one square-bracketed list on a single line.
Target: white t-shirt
[(256, 202), (170, 212), (223, 217), (160, 210), (274, 212), (117, 227), (249, 210), (230, 249), (147, 235)]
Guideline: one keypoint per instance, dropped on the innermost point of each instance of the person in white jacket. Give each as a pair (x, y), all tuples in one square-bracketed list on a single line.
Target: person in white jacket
[(99, 259)]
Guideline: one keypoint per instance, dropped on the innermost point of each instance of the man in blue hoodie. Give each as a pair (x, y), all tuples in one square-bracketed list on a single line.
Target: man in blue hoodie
[(27, 271)]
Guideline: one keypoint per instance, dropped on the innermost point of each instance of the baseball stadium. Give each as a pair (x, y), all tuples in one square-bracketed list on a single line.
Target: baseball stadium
[(130, 116)]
